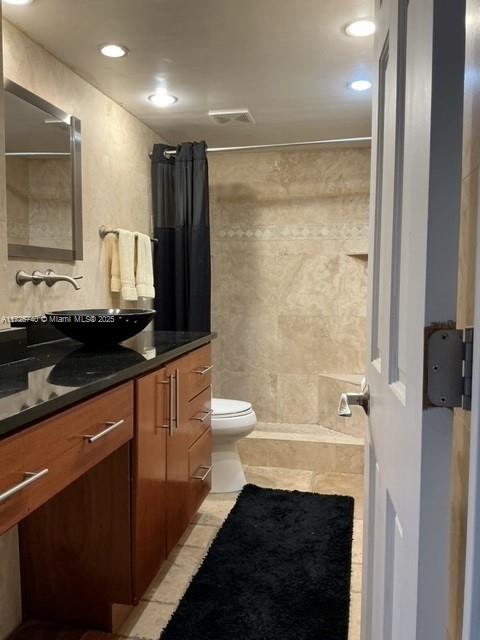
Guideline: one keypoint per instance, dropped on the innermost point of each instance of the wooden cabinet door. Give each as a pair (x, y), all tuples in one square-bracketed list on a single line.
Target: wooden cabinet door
[(177, 454), (152, 402), (75, 548)]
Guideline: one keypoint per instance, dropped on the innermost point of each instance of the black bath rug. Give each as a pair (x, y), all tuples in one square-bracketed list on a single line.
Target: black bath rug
[(279, 569)]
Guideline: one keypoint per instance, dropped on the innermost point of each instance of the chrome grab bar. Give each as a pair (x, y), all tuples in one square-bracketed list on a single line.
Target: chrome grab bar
[(205, 475), (203, 370), (203, 418), (30, 477), (110, 427)]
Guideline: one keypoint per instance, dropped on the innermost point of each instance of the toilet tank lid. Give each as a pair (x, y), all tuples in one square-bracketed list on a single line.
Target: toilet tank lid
[(226, 407)]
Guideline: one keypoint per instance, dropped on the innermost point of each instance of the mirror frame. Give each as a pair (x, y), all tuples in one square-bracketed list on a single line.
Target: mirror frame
[(51, 253)]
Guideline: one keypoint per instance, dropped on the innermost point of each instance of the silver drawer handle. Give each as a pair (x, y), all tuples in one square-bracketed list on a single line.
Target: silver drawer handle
[(206, 415), (30, 477), (110, 427), (201, 371), (205, 475)]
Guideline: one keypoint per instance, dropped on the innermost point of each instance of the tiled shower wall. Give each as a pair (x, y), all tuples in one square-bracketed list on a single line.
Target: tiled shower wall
[(289, 244)]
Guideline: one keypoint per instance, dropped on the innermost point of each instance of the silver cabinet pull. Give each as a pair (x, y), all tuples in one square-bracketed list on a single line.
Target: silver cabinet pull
[(206, 415), (172, 403), (168, 426), (205, 475), (110, 427), (361, 399), (177, 398), (201, 371), (30, 477)]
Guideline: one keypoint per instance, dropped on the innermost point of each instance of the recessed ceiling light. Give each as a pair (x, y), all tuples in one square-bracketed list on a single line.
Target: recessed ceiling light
[(113, 50), (18, 2), (360, 28), (162, 99), (360, 85)]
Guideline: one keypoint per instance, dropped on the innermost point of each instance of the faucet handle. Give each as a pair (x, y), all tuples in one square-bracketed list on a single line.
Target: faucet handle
[(77, 277), (38, 277), (49, 275)]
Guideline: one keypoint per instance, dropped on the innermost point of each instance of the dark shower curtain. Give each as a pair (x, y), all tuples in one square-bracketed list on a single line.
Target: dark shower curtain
[(181, 224)]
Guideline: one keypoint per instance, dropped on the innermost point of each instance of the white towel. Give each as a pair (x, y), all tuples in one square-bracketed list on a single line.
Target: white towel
[(115, 283), (126, 254), (144, 270)]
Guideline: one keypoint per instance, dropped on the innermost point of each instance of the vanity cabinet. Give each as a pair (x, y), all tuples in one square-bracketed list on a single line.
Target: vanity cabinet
[(118, 479), (74, 542), (172, 458)]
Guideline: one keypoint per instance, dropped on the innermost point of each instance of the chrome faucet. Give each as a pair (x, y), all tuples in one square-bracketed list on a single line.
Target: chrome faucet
[(49, 277)]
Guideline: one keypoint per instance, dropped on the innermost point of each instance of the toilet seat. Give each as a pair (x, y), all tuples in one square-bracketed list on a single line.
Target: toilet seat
[(226, 408)]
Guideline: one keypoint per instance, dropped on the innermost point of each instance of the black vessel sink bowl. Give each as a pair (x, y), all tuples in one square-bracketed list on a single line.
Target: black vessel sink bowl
[(100, 327)]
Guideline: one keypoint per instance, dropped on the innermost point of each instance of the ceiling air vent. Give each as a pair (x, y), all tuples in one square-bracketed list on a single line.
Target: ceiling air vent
[(227, 116)]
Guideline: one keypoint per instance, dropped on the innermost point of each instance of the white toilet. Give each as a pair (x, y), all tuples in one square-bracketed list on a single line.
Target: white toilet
[(231, 420)]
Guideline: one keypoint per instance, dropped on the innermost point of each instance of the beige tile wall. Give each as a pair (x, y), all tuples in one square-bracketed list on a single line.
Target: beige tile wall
[(289, 303), (116, 191), (466, 280)]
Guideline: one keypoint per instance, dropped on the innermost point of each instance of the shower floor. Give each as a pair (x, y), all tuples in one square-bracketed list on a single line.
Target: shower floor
[(308, 447)]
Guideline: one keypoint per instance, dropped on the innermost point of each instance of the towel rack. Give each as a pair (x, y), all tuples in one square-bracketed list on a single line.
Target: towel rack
[(103, 233)]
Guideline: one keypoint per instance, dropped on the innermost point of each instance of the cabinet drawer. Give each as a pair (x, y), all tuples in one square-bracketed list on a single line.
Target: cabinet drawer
[(199, 371), (199, 471), (56, 451), (199, 415)]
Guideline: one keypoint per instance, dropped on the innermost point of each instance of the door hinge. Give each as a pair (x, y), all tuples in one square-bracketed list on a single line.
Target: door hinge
[(449, 368)]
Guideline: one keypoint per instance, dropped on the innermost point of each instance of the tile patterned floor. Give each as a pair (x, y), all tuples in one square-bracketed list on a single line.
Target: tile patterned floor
[(151, 615)]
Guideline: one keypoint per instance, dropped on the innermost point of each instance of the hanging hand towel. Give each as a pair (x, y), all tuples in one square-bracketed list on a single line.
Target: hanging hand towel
[(144, 271), (115, 283), (126, 251)]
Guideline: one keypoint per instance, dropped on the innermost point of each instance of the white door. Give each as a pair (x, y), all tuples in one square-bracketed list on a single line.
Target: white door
[(416, 168)]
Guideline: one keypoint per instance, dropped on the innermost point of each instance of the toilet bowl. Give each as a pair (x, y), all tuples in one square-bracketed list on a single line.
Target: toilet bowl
[(231, 421)]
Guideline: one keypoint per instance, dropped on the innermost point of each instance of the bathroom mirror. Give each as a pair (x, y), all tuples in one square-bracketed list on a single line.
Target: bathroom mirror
[(43, 172)]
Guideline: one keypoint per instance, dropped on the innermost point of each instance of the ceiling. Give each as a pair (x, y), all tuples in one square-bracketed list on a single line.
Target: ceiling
[(287, 61)]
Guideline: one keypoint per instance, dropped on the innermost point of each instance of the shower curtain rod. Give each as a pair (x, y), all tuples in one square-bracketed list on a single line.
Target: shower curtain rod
[(172, 152)]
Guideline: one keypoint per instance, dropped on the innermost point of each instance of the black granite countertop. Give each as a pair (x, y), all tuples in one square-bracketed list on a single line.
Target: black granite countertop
[(57, 374)]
